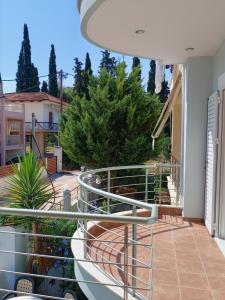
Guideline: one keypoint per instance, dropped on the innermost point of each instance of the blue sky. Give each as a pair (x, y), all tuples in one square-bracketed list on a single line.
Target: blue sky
[(50, 22)]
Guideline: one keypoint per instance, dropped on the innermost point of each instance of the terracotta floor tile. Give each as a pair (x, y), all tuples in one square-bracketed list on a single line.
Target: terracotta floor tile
[(214, 268), (219, 295), (164, 276), (179, 249), (193, 280), (217, 282), (190, 266), (165, 292), (195, 294)]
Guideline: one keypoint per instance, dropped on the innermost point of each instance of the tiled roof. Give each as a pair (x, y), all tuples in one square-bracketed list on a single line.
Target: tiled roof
[(32, 96)]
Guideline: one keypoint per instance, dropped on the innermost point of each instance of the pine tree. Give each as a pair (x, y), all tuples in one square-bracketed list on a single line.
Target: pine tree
[(87, 73), (137, 64), (27, 75), (91, 132), (151, 78), (44, 87), (107, 62), (52, 75), (79, 82)]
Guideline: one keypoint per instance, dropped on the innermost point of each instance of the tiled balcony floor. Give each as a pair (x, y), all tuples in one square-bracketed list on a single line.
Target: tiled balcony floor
[(187, 264)]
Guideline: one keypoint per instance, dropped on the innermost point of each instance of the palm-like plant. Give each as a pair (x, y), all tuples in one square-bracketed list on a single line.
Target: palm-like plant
[(28, 190)]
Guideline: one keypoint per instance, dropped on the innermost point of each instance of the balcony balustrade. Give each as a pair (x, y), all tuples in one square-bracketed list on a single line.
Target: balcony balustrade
[(115, 208), (43, 126)]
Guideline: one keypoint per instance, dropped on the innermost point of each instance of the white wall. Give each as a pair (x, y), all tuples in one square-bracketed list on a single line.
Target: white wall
[(33, 107), (55, 109), (218, 66), (198, 82), (41, 110), (11, 262)]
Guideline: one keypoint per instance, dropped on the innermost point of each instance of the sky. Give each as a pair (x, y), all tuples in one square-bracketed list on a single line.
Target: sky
[(50, 22)]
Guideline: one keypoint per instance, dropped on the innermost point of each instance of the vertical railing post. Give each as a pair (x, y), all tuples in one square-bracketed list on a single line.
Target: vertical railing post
[(160, 184), (84, 199), (149, 291), (146, 185), (126, 262), (108, 189), (134, 252), (66, 199), (177, 184)]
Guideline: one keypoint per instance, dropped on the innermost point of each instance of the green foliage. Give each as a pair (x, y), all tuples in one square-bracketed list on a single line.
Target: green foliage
[(137, 64), (44, 87), (68, 94), (165, 91), (27, 74), (26, 189), (79, 82), (151, 78), (87, 73), (52, 77), (115, 126), (107, 62)]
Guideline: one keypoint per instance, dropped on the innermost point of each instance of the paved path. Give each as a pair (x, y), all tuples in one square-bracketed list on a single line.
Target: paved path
[(64, 180)]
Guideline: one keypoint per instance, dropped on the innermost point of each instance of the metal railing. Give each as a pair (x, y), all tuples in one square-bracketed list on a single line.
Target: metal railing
[(118, 202), (47, 126), (125, 190)]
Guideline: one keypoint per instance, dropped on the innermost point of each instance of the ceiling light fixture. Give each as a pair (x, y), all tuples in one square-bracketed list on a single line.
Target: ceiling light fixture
[(140, 31), (190, 49)]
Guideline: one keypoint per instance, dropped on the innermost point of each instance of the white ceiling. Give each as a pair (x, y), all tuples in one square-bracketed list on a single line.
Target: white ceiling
[(170, 27)]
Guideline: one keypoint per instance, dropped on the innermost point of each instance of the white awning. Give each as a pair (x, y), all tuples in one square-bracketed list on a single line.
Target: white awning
[(167, 109)]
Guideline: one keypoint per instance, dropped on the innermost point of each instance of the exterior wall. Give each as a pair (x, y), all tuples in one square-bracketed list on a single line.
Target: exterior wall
[(39, 136), (11, 262), (41, 110), (176, 130), (197, 88), (55, 109), (218, 66), (34, 107)]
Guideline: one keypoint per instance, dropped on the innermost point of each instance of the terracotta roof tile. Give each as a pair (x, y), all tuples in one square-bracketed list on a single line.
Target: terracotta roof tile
[(32, 96)]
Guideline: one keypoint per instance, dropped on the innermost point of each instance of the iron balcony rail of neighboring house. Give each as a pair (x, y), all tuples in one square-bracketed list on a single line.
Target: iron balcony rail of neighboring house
[(107, 196), (43, 126)]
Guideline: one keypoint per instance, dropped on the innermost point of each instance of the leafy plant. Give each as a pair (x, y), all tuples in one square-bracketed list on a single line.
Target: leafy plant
[(28, 190)]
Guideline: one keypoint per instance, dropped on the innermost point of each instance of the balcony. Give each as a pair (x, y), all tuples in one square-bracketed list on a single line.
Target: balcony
[(135, 33), (128, 242), (14, 140), (43, 126)]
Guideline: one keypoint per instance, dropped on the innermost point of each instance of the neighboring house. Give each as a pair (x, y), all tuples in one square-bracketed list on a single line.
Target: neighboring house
[(179, 32), (12, 130), (46, 109)]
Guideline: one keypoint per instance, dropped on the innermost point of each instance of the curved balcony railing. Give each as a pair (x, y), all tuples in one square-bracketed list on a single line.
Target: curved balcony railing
[(128, 195)]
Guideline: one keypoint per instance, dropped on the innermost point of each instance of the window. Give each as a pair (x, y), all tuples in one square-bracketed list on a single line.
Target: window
[(14, 128)]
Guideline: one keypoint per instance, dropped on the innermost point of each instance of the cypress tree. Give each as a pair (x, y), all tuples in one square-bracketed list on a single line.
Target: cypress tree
[(163, 95), (137, 64), (27, 75), (87, 67), (35, 85), (87, 73), (151, 78), (79, 82), (107, 62), (44, 87), (52, 75)]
